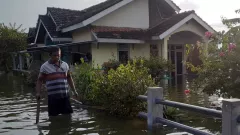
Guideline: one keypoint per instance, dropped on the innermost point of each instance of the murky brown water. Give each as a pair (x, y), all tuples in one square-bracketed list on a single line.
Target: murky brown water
[(18, 112)]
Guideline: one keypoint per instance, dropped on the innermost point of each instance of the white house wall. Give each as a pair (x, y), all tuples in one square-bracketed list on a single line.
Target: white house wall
[(103, 53), (134, 14), (178, 39), (192, 26), (140, 50), (82, 35)]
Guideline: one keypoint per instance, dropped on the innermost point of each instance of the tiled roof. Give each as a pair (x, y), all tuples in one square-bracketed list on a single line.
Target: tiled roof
[(51, 27), (31, 32), (168, 23), (64, 16), (118, 32), (31, 35)]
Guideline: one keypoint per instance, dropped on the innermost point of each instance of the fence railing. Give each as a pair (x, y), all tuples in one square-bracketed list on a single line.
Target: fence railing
[(230, 113)]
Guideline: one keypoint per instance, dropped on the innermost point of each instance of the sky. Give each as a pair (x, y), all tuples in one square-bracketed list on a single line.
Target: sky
[(26, 12)]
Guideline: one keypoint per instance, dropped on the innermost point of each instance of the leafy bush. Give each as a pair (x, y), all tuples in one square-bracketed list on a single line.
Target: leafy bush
[(12, 39), (83, 79), (157, 66), (117, 91), (111, 64), (219, 71)]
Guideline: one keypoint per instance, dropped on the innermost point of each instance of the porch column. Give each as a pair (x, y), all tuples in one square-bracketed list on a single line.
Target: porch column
[(165, 48), (165, 55), (20, 61), (14, 62)]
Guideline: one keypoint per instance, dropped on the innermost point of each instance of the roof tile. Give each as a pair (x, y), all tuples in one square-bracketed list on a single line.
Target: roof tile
[(51, 27), (64, 16)]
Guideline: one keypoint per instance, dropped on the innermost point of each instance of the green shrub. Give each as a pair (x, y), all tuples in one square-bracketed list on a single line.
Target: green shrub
[(157, 66), (83, 79), (117, 90), (111, 64)]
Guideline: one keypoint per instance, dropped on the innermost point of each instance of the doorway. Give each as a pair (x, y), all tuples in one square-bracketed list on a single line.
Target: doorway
[(176, 55)]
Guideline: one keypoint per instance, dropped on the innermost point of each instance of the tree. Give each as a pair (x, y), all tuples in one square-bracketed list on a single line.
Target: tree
[(234, 28), (219, 72), (12, 39), (233, 21)]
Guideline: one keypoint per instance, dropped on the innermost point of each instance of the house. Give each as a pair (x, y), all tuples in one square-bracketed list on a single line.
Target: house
[(125, 28)]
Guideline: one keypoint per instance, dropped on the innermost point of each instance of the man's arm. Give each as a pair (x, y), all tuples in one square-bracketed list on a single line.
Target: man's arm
[(71, 83)]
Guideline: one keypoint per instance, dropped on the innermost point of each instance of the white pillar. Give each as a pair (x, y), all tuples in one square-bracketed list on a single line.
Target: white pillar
[(154, 110), (14, 62), (165, 48), (20, 61), (159, 47), (165, 54), (230, 113)]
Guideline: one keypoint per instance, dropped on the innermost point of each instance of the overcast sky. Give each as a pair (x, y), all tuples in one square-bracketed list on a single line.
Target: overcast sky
[(26, 11)]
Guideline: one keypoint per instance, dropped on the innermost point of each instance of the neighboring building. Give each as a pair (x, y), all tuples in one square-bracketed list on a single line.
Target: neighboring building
[(125, 28)]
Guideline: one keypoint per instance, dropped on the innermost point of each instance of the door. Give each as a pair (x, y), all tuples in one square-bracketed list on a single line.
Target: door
[(176, 55)]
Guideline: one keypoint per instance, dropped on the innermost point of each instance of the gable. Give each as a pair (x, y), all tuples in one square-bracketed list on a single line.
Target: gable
[(192, 26), (198, 25), (180, 21), (159, 10), (94, 13), (134, 15), (47, 26)]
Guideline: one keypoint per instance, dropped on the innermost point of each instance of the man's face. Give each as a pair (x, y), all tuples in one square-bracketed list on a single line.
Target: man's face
[(56, 56)]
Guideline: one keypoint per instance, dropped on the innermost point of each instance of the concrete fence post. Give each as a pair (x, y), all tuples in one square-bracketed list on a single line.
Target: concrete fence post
[(154, 110), (230, 117)]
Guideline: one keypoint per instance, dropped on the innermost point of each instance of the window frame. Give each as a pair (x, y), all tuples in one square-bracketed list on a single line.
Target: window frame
[(127, 49)]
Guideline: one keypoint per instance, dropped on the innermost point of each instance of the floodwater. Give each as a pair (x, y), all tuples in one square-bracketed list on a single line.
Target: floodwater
[(18, 113)]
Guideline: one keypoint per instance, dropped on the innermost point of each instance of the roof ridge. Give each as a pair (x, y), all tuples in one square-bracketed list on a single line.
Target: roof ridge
[(190, 11), (63, 9)]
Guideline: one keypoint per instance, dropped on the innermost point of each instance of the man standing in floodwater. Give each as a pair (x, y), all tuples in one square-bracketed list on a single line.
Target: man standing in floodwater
[(56, 74)]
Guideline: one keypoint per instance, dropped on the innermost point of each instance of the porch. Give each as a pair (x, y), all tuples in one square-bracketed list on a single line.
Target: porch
[(32, 58)]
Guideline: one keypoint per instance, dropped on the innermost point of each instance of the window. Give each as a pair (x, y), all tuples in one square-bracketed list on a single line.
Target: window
[(154, 50), (123, 53)]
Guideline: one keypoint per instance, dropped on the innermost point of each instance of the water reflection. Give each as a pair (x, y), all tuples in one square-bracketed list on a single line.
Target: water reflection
[(58, 125), (18, 113)]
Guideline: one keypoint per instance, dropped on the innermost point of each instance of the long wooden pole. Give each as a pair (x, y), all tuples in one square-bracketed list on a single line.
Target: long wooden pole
[(38, 111)]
